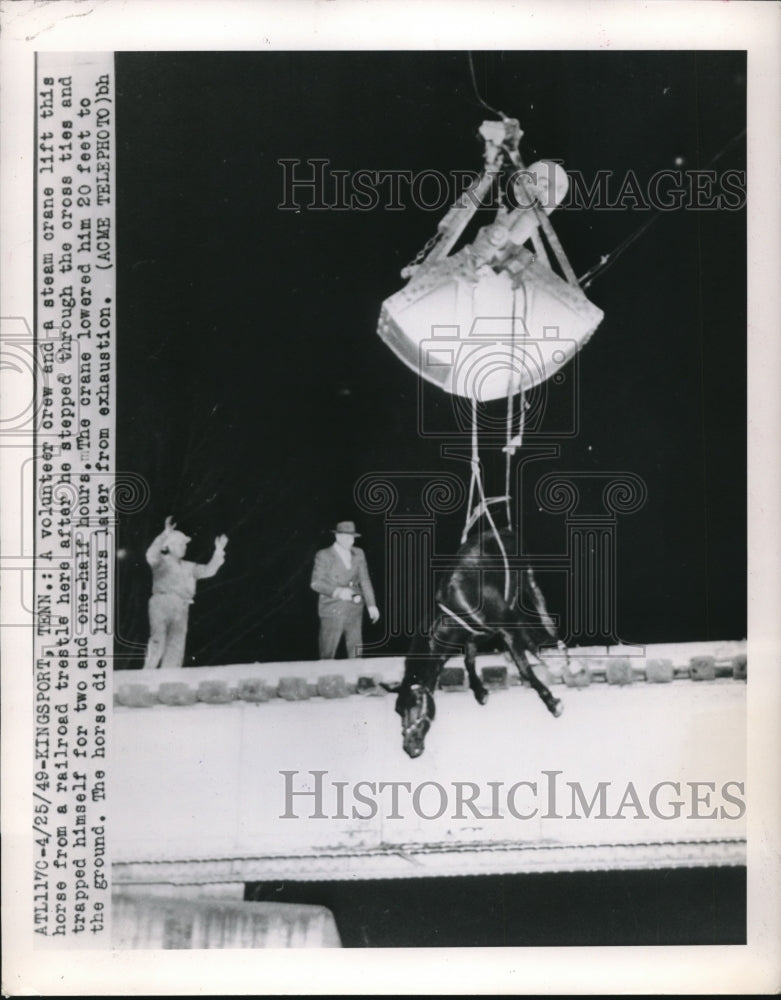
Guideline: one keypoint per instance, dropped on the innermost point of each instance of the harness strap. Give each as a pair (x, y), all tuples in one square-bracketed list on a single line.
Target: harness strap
[(457, 618)]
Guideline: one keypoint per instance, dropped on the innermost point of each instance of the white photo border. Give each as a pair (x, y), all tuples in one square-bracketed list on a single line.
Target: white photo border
[(149, 25)]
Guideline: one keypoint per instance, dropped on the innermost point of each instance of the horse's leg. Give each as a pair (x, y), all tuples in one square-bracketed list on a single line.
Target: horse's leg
[(421, 669), (443, 643), (514, 643), (470, 658)]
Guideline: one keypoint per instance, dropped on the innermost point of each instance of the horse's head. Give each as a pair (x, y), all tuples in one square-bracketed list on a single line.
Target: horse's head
[(415, 705)]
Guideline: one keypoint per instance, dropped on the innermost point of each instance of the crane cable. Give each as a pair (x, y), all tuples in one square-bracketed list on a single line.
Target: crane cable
[(485, 104), (606, 261)]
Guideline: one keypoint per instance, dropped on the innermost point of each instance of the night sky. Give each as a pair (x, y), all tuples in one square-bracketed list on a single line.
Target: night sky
[(254, 391)]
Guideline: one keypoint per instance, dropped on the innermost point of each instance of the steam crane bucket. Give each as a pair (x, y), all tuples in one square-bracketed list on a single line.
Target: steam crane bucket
[(483, 334)]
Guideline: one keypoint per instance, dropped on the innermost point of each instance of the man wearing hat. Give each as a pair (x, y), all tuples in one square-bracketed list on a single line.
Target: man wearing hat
[(341, 578), (173, 589)]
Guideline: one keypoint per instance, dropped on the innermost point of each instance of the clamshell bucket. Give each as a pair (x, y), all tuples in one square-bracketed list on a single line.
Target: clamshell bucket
[(485, 334)]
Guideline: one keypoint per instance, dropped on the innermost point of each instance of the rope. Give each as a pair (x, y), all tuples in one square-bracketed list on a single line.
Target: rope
[(478, 512), (522, 418), (514, 443), (539, 248), (508, 438), (482, 508), (558, 249), (508, 450), (470, 516)]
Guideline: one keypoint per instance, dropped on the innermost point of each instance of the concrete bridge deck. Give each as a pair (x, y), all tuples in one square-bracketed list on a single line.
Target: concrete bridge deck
[(214, 788)]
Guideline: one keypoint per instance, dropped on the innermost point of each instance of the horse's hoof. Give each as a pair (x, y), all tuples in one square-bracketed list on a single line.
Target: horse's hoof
[(481, 697), (558, 708)]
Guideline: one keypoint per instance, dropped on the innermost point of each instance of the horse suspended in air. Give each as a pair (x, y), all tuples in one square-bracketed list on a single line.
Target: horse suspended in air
[(481, 604)]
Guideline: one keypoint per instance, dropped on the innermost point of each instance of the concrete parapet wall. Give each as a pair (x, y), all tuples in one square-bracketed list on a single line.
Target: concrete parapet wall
[(260, 682), (228, 790)]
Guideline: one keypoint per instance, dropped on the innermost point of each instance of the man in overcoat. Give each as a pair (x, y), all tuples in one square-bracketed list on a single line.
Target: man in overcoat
[(341, 578)]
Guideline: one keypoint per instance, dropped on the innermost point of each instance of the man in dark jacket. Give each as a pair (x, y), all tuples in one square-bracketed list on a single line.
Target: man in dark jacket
[(341, 578)]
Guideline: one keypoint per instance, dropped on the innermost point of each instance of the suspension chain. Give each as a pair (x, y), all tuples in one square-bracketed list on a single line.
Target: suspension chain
[(421, 255)]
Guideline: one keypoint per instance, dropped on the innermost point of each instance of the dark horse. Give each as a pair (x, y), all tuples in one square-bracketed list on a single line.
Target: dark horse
[(471, 613)]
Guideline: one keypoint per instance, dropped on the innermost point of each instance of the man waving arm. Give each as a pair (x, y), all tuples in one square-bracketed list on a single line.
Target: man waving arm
[(203, 571)]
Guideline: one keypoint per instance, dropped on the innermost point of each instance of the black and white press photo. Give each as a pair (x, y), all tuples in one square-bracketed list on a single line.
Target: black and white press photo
[(396, 446)]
